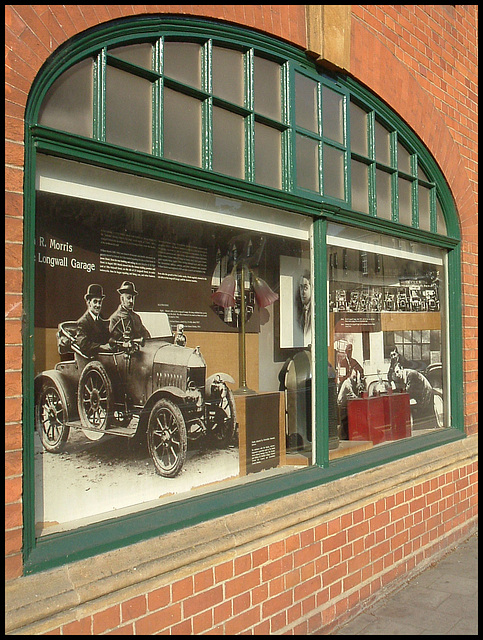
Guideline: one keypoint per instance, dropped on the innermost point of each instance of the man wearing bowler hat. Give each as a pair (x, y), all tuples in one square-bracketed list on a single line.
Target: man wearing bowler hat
[(92, 333), (124, 321)]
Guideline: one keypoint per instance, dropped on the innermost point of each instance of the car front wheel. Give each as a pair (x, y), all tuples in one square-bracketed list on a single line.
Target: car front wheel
[(51, 416), (95, 400), (167, 440)]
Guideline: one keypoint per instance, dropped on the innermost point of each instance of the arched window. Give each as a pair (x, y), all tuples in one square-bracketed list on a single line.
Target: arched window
[(264, 218)]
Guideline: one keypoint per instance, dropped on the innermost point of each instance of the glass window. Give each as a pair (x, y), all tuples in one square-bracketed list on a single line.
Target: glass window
[(128, 120), (182, 127), (333, 172), (228, 143), (188, 329), (358, 118), (228, 75), (383, 143), (383, 194), (424, 208), (440, 221), (182, 62), (138, 54), (268, 156), (403, 159), (67, 105), (308, 163), (405, 202), (333, 115), (387, 336), (306, 103), (360, 186), (267, 88)]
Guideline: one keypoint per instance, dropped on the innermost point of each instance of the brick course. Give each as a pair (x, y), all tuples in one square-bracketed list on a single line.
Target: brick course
[(292, 594)]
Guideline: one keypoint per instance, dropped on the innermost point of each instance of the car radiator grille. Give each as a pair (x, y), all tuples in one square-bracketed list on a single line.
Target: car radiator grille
[(169, 379)]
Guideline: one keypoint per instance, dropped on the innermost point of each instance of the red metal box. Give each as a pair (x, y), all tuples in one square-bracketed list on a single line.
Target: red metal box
[(380, 418)]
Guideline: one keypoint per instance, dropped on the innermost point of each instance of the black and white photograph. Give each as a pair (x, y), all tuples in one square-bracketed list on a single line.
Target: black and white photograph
[(143, 363), (296, 302)]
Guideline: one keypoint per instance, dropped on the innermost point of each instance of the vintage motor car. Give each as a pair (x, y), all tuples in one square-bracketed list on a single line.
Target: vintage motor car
[(153, 390)]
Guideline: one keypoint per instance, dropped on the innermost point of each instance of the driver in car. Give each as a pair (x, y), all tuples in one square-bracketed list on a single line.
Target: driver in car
[(92, 333), (124, 323)]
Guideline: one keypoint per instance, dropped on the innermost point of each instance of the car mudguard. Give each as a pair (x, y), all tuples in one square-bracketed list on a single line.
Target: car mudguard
[(218, 377)]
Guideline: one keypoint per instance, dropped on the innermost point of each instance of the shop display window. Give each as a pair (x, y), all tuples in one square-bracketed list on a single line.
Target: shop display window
[(172, 345), (226, 389), (387, 336)]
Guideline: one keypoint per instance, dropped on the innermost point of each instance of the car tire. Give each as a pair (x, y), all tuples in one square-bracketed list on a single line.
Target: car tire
[(222, 428), (95, 400), (51, 417), (167, 438)]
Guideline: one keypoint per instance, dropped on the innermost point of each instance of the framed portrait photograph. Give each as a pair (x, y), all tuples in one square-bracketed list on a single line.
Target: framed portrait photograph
[(295, 302)]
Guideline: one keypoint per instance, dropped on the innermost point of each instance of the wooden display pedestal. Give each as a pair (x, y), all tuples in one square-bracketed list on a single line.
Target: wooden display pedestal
[(261, 431)]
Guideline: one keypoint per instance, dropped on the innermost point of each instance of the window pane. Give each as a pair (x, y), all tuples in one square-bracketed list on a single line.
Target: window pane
[(228, 143), (228, 74), (182, 61), (128, 110), (67, 105), (421, 174), (199, 436), (266, 89), (360, 186), (383, 192), (403, 159), (306, 103), (333, 171), (307, 163), (333, 115), (268, 156), (382, 304), (182, 128), (383, 149), (139, 54), (424, 208), (440, 221), (405, 202), (358, 129)]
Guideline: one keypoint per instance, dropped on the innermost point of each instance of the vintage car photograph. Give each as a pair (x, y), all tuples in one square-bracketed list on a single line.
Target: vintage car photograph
[(154, 390)]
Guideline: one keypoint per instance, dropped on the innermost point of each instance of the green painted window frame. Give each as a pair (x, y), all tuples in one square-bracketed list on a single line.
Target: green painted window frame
[(58, 549)]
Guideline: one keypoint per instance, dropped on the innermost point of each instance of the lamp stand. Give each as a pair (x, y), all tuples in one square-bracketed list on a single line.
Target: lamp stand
[(243, 389)]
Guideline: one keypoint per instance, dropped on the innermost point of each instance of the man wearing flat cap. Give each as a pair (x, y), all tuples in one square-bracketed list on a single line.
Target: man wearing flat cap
[(92, 333), (124, 321)]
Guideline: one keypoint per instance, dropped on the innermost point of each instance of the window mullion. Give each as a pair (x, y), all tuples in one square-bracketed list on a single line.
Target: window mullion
[(249, 66), (99, 96), (207, 106), (157, 119)]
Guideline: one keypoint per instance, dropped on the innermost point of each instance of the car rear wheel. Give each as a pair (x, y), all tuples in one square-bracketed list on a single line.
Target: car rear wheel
[(51, 416), (94, 400), (167, 441)]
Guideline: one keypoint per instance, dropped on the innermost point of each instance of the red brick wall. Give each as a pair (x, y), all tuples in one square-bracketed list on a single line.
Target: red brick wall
[(421, 59), (311, 580)]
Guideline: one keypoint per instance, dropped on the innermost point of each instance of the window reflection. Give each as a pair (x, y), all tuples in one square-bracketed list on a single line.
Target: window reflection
[(386, 339)]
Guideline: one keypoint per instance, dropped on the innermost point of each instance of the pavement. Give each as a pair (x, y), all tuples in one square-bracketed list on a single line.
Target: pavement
[(442, 600)]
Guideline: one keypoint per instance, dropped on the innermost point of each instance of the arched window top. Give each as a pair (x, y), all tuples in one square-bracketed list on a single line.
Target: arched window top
[(197, 101)]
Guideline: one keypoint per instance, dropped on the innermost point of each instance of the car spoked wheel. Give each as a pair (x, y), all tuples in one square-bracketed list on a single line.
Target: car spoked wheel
[(222, 419), (167, 441), (50, 417), (94, 399)]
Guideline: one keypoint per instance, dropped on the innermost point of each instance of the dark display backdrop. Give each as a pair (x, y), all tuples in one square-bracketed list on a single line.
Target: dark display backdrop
[(170, 260)]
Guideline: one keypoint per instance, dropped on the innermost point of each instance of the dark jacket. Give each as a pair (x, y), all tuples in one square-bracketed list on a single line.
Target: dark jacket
[(91, 334), (126, 321)]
